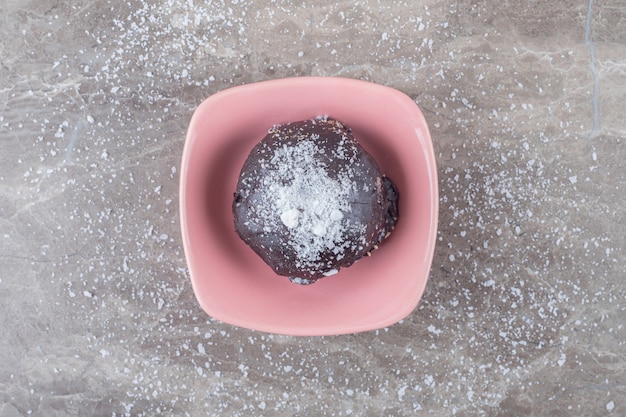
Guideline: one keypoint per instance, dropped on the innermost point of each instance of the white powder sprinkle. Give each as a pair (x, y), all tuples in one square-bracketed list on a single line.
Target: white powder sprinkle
[(290, 218), (299, 190)]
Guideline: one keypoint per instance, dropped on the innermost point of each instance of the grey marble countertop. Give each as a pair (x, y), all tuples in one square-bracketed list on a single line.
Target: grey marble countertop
[(525, 307)]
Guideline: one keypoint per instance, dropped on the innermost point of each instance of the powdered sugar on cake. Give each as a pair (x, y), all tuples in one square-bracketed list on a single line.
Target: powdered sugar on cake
[(299, 194), (310, 200)]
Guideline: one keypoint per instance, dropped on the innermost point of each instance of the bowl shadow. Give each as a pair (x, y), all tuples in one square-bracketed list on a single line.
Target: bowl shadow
[(219, 187)]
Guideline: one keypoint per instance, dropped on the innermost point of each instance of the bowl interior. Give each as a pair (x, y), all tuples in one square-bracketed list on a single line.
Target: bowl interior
[(232, 283)]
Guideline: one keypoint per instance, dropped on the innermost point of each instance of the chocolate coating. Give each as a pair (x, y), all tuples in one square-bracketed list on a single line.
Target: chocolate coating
[(310, 200)]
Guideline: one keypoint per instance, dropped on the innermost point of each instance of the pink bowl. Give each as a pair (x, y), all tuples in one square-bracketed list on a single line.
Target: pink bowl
[(232, 283)]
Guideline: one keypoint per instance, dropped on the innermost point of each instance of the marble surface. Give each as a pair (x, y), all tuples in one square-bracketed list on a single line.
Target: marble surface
[(524, 311)]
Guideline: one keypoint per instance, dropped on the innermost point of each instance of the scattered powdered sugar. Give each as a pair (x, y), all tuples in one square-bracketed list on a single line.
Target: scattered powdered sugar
[(310, 203)]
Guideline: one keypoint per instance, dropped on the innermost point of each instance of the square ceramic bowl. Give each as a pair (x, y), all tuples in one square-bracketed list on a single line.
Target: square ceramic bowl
[(232, 283)]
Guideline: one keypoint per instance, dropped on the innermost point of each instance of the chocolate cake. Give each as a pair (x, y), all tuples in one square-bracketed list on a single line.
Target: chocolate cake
[(310, 200)]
